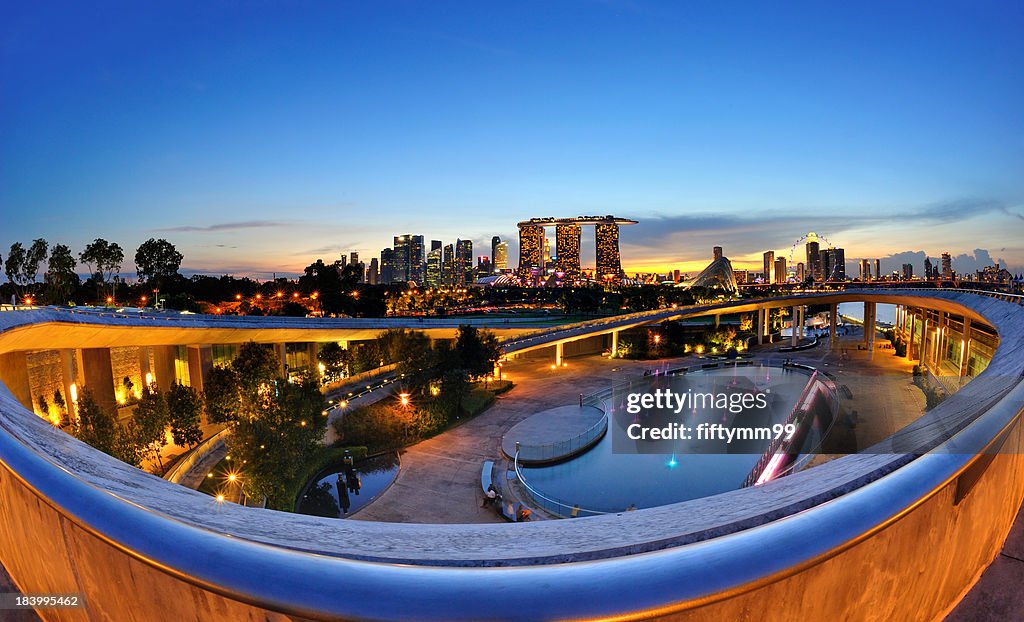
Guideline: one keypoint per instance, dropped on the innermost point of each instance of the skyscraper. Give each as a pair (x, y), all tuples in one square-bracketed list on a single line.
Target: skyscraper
[(801, 276), (530, 249), (609, 263), (908, 271), (416, 259), (769, 266), (833, 264), (716, 252), (928, 268), (547, 252), (495, 241), (501, 257), (353, 258), (780, 270), (814, 259), (448, 266), (400, 259), (878, 269), (567, 241), (464, 262), (373, 273), (387, 266), (433, 277), (435, 245), (865, 270), (947, 266)]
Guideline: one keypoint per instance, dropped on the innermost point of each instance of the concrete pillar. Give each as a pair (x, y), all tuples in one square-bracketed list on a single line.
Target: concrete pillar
[(923, 350), (615, 342), (718, 320), (69, 376), (760, 326), (14, 374), (163, 366), (558, 353), (801, 334), (965, 351), (910, 337), (833, 317), (793, 331), (280, 351), (99, 377), (144, 367), (200, 362)]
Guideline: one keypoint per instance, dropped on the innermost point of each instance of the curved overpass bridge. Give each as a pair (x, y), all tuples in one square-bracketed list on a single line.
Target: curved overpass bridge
[(897, 533)]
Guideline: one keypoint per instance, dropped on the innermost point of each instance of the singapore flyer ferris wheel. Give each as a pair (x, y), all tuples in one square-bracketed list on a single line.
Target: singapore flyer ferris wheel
[(798, 252)]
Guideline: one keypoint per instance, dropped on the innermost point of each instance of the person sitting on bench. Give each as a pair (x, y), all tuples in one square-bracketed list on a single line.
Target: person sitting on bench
[(490, 497)]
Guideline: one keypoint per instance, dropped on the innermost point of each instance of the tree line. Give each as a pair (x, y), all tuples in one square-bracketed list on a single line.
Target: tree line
[(156, 261)]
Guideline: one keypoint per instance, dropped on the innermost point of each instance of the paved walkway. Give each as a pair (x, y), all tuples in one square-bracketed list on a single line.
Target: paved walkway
[(550, 428), (440, 477)]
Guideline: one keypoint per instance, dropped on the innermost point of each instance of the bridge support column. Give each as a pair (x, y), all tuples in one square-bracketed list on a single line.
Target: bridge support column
[(833, 316), (99, 377), (70, 376), (922, 350), (200, 362), (281, 352), (558, 354), (760, 326), (718, 320), (793, 340), (910, 336), (965, 348), (615, 342)]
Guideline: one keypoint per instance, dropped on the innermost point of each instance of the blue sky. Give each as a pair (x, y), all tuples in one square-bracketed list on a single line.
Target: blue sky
[(259, 136)]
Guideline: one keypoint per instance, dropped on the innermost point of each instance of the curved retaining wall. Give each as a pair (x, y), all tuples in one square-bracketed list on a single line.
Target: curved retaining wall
[(901, 538)]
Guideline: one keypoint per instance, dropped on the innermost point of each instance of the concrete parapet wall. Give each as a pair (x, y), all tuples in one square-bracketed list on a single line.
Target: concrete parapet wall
[(900, 537)]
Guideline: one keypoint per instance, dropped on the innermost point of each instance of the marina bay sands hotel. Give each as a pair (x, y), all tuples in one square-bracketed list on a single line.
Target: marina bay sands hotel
[(568, 231)]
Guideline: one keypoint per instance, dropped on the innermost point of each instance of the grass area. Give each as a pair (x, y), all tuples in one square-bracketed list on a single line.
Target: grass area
[(324, 457), (385, 425)]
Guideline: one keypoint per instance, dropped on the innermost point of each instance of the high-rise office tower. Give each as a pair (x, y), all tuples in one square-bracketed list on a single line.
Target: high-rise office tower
[(495, 241), (434, 264), (780, 270), (833, 264), (908, 271), (464, 262), (373, 273), (501, 257), (609, 263), (435, 245), (878, 269), (353, 258), (800, 272), (814, 260), (387, 266), (400, 259), (547, 252), (716, 252), (567, 244), (416, 259), (448, 266), (947, 266), (769, 266), (343, 261), (865, 269), (483, 266), (530, 249)]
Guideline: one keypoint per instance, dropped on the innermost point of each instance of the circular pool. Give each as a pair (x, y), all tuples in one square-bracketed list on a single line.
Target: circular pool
[(619, 472)]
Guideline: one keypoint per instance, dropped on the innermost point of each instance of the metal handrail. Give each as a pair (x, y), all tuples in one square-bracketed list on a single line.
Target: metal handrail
[(553, 505)]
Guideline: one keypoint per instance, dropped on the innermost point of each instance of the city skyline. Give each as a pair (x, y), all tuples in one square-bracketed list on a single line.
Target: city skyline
[(256, 155)]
